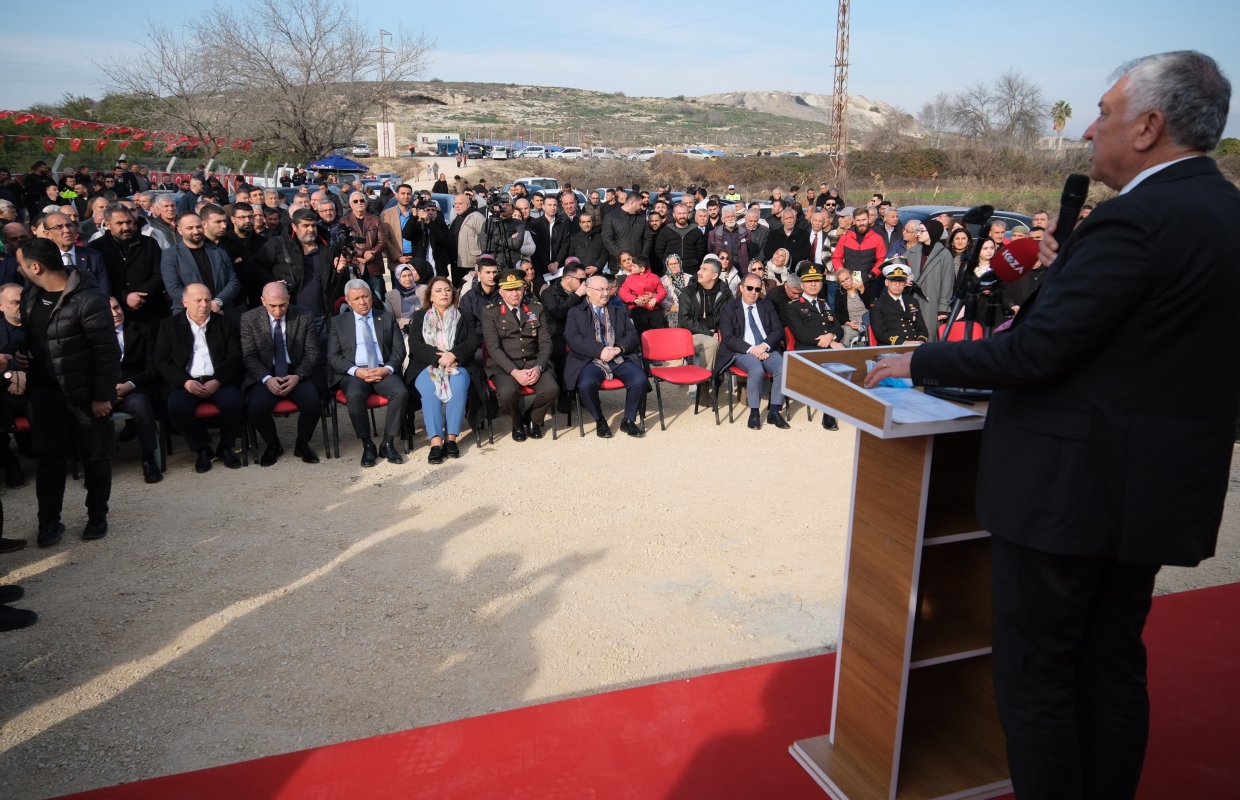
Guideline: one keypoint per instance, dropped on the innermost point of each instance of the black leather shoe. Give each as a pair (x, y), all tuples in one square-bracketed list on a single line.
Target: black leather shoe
[(535, 430), (12, 545), (12, 619), (305, 452), (829, 423), (51, 534), (96, 528), (230, 459), (370, 455), (271, 455), (755, 421), (205, 457), (451, 450), (11, 594), (13, 475), (388, 451), (436, 455), (601, 430), (777, 419), (151, 473), (632, 429), (518, 432)]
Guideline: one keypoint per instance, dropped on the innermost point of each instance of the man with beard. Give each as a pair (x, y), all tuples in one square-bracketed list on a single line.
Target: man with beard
[(860, 251), (586, 245), (195, 260), (731, 237), (681, 238), (243, 244), (133, 265)]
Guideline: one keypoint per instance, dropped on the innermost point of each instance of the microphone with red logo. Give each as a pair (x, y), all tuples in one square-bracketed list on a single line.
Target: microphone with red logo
[(1015, 259)]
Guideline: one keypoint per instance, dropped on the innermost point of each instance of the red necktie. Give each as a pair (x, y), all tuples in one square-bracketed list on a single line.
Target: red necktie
[(813, 248)]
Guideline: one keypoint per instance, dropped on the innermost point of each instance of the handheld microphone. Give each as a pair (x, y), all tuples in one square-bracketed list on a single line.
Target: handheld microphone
[(1015, 259), (1075, 190)]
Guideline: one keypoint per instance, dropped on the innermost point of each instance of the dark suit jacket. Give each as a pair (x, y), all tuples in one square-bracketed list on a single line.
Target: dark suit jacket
[(342, 342), (584, 348), (1099, 440), (138, 360), (301, 342), (136, 269), (174, 349), (89, 260), (179, 269), (549, 244), (732, 321), (797, 243)]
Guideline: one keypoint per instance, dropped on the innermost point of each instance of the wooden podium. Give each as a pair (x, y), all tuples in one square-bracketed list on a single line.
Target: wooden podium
[(914, 714)]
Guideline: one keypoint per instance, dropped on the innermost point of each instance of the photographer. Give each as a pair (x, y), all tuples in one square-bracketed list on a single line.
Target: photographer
[(504, 236), (427, 236)]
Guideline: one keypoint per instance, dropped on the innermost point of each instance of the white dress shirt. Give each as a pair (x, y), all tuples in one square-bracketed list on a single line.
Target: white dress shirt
[(200, 363), (1145, 173), (120, 340), (360, 356), (821, 252), (748, 329)]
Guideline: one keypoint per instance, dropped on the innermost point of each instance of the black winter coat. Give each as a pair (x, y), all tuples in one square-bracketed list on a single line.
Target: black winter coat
[(81, 340), (588, 248), (625, 233), (691, 247), (135, 268), (691, 315)]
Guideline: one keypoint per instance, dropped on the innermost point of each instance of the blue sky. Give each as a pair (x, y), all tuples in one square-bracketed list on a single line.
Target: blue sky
[(901, 52)]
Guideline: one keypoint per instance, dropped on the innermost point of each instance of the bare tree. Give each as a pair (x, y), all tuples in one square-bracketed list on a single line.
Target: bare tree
[(308, 70), (935, 117), (176, 83), (972, 111), (1020, 107), (889, 134)]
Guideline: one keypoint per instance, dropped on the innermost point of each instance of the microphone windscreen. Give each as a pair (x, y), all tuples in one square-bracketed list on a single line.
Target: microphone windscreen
[(1015, 259)]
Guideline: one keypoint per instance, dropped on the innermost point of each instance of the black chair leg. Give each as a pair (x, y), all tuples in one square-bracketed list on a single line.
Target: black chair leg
[(581, 420), (336, 427), (658, 396), (327, 446), (731, 402)]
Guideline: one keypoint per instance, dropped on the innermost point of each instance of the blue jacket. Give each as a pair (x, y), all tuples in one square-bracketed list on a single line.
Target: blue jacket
[(179, 270), (732, 328)]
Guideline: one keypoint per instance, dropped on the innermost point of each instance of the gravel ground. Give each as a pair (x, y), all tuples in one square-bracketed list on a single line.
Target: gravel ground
[(245, 613)]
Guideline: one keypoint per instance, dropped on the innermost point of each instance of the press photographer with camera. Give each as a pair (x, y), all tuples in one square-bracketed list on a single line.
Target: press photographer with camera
[(427, 236), (298, 262), (505, 236)]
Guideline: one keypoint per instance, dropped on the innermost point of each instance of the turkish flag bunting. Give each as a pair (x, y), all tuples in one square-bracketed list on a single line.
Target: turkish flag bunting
[(78, 123), (22, 119), (6, 114), (49, 142), (43, 119), (123, 144), (246, 145), (139, 134), (147, 146), (22, 138), (100, 144), (184, 138), (170, 148), (1, 137), (236, 145), (111, 129), (60, 123), (75, 145), (94, 126), (124, 130)]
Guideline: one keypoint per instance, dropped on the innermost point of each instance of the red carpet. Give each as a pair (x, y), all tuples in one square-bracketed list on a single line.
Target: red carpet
[(722, 736)]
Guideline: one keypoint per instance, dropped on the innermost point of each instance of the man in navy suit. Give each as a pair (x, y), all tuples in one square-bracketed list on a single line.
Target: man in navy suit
[(753, 336), (1100, 462), (602, 343), (61, 230), (195, 260)]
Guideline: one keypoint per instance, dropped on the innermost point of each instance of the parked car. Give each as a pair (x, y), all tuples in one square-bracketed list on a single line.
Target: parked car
[(791, 154), (361, 150), (697, 154), (499, 153), (533, 151), (474, 150), (604, 153), (926, 212), (643, 154), (536, 184), (569, 154)]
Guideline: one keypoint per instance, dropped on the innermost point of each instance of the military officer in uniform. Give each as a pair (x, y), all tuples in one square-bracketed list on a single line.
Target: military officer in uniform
[(896, 317), (812, 322), (518, 342)]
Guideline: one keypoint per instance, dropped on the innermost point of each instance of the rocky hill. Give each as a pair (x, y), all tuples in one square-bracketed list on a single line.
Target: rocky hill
[(733, 122)]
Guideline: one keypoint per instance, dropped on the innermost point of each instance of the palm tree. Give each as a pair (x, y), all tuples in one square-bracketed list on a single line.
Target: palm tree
[(1061, 112)]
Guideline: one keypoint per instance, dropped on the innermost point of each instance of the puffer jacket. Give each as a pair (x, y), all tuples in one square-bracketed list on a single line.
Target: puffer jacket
[(625, 233), (700, 308), (689, 243), (81, 340)]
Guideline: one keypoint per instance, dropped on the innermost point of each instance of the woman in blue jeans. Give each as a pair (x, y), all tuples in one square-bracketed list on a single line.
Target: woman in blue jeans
[(442, 344)]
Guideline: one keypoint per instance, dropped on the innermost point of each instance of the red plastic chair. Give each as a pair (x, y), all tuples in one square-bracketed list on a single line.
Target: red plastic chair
[(522, 391), (956, 334), (21, 425), (672, 344), (372, 402), (287, 408), (209, 411)]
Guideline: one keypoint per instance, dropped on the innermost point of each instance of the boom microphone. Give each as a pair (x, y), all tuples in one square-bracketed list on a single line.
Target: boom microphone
[(1075, 190), (1015, 259)]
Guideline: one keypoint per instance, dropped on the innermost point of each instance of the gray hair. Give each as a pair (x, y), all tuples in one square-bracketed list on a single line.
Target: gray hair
[(1188, 88), (793, 280), (162, 198), (7, 204), (356, 284), (147, 195), (715, 264)]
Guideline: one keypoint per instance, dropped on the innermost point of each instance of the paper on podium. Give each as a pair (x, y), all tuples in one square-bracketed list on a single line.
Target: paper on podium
[(909, 405)]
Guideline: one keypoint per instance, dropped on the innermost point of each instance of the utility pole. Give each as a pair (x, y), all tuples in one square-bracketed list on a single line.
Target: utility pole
[(385, 145), (839, 104)]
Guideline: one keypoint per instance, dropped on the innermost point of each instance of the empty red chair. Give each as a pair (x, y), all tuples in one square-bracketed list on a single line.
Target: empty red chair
[(673, 344)]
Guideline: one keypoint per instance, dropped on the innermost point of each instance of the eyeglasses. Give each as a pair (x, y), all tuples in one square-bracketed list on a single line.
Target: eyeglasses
[(752, 288), (358, 202), (58, 227)]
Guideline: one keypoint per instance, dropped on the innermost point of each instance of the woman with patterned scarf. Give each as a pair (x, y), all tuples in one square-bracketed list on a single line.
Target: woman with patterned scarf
[(442, 343), (674, 281)]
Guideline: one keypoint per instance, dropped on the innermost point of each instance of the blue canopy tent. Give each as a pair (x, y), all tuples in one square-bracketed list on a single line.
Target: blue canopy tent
[(336, 163)]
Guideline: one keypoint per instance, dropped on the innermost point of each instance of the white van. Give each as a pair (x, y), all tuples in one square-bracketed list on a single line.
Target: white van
[(533, 151), (604, 153), (569, 154), (499, 153), (643, 154)]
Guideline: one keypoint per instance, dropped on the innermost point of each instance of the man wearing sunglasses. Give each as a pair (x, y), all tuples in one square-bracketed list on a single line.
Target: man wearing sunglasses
[(753, 335), (372, 240)]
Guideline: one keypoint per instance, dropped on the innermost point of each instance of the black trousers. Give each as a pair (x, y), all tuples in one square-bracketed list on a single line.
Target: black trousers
[(138, 405), (628, 372), (391, 387), (646, 318), (508, 391), (18, 405), (309, 410), (57, 430), (1069, 669), (228, 399)]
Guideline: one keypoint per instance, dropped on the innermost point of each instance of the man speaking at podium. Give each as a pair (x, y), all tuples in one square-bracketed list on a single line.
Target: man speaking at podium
[(1108, 441)]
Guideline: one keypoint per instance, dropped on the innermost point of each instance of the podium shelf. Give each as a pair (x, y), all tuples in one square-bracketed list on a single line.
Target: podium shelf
[(953, 603)]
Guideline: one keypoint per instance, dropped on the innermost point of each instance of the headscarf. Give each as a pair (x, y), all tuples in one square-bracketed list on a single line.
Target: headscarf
[(935, 229)]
